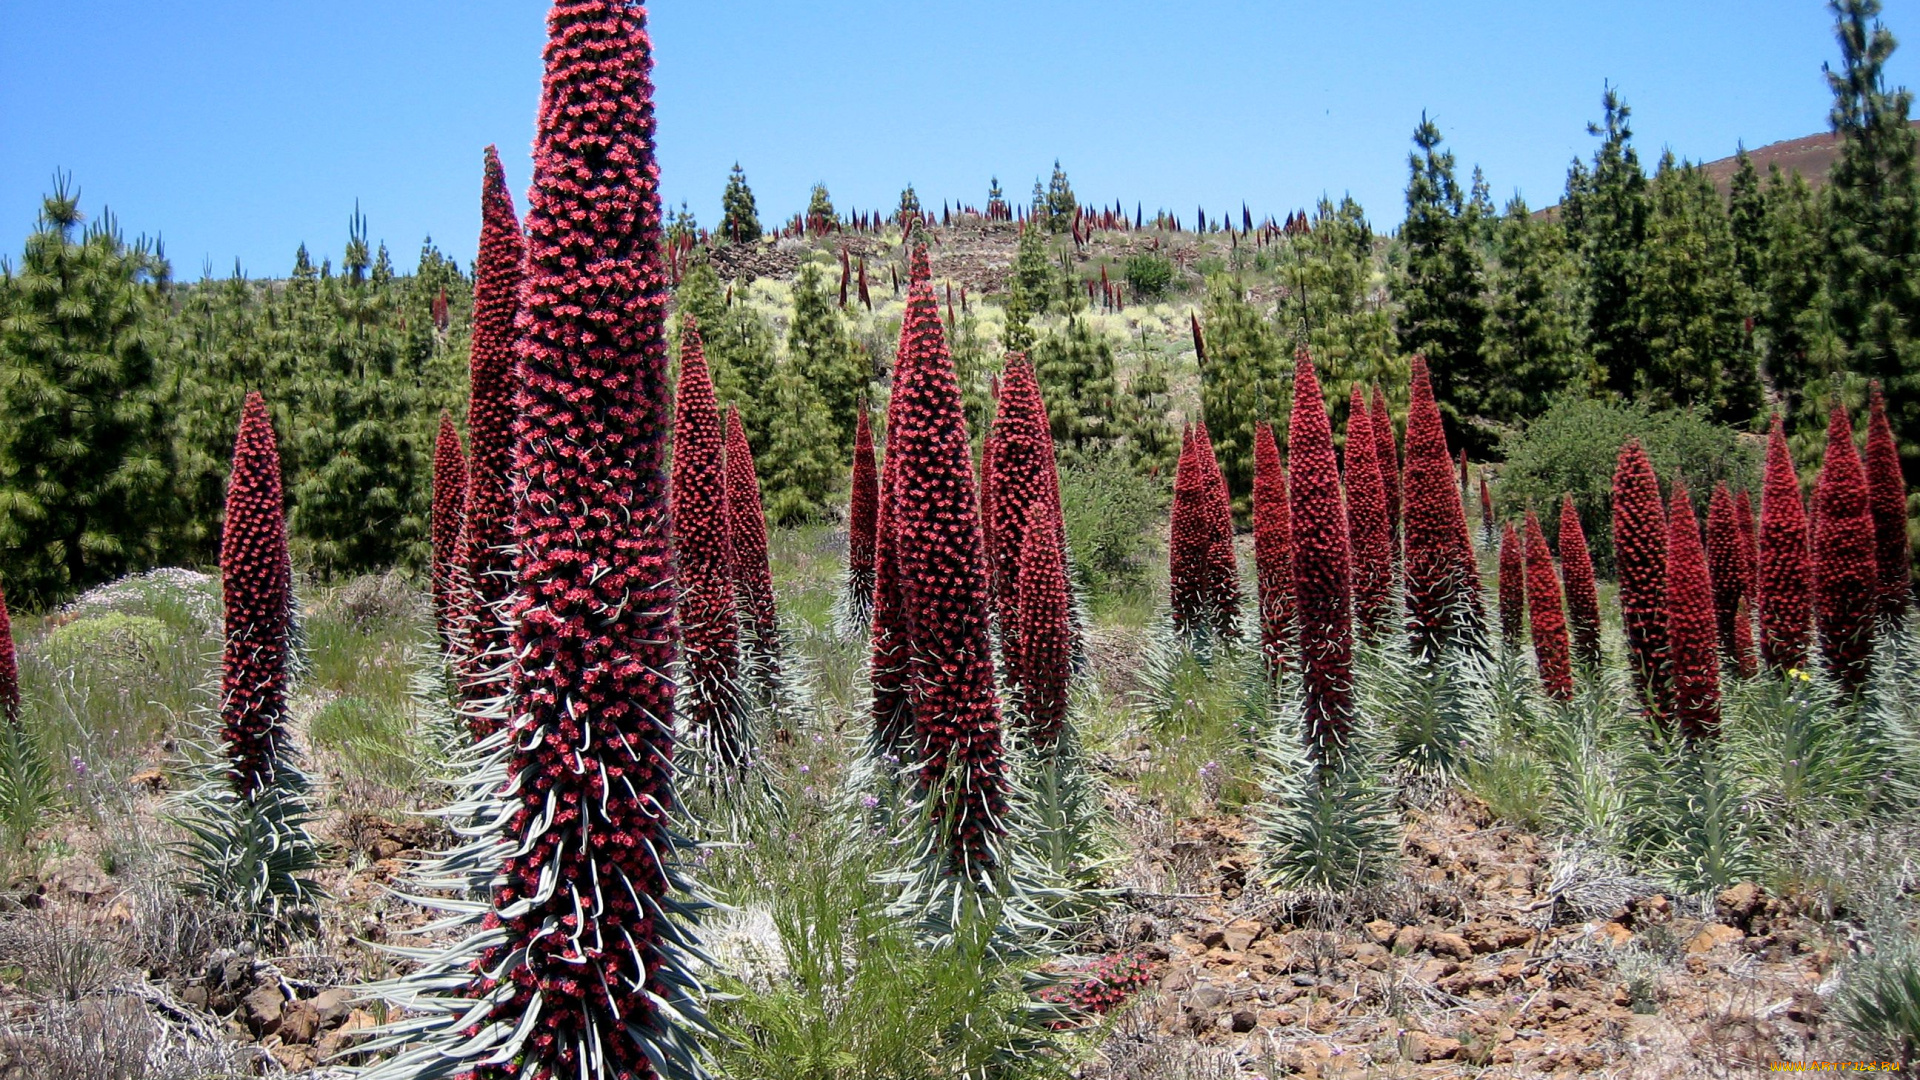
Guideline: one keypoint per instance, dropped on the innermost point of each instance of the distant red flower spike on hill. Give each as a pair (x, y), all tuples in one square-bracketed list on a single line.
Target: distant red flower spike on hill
[(751, 572), (943, 569), (1640, 550), (1387, 454), (1045, 635), (1273, 551), (1544, 616), (1728, 567), (1222, 563), (1693, 659), (1442, 585), (1367, 525), (1847, 581), (256, 586), (486, 554), (1576, 573), (1783, 578), (1022, 475), (1513, 587), (1321, 582), (703, 553), (449, 508), (1887, 489), (863, 505)]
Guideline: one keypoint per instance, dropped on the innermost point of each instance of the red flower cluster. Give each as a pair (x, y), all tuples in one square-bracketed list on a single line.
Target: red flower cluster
[(445, 524), (1732, 573), (1583, 598), (1322, 586), (1750, 535), (1640, 550), (888, 673), (256, 582), (1694, 665), (1041, 668), (1221, 563), (751, 572), (1549, 625), (1367, 523), (1272, 551), (1847, 582), (944, 585), (1387, 454), (1781, 574), (1442, 580), (583, 945), (9, 667), (1513, 586), (862, 505), (703, 554), (1022, 489), (1887, 490), (1204, 584), (486, 559), (1486, 508), (1103, 985)]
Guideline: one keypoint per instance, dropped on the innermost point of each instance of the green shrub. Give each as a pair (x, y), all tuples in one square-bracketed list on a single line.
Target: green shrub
[(1149, 275), (1110, 511), (1572, 448), (115, 639)]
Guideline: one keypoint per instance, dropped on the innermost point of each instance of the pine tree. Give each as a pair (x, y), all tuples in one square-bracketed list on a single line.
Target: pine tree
[(909, 209), (1242, 382), (85, 461), (997, 207), (798, 467), (1146, 415), (1794, 329), (1534, 348), (739, 220), (820, 351), (1747, 220), (1441, 286), (1605, 210), (1075, 367), (1061, 206), (1032, 280), (1329, 304), (821, 217)]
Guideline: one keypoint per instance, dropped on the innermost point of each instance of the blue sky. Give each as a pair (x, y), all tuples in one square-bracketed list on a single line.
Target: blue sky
[(242, 129)]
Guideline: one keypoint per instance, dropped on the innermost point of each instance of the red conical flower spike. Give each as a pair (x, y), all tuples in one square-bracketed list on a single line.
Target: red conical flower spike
[(862, 506), (751, 572), (486, 560), (1640, 550), (1023, 475), (943, 570), (1464, 490), (1388, 455), (1486, 509), (1549, 625), (888, 672), (1442, 584), (256, 583), (1786, 607), (449, 508), (1188, 543), (703, 552), (1513, 587), (1847, 582), (1321, 583), (1222, 564), (1693, 661), (1576, 572), (1272, 551), (1045, 635), (1750, 535), (1728, 567), (1367, 525), (1887, 489), (9, 667)]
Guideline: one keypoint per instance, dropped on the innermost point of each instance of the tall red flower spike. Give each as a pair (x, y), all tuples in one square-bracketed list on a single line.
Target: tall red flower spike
[(956, 711), (1887, 490), (9, 667), (1731, 573), (1222, 564), (1549, 624), (1846, 581), (1042, 666), (1693, 660), (1786, 605), (256, 582), (1576, 572), (1367, 525), (582, 955), (1321, 583), (1486, 509), (1387, 453), (888, 675), (751, 572), (703, 553), (1749, 535), (863, 505), (1640, 551), (1022, 475), (486, 553), (1442, 581), (1464, 489), (1513, 587), (444, 527), (1187, 542), (1272, 551)]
